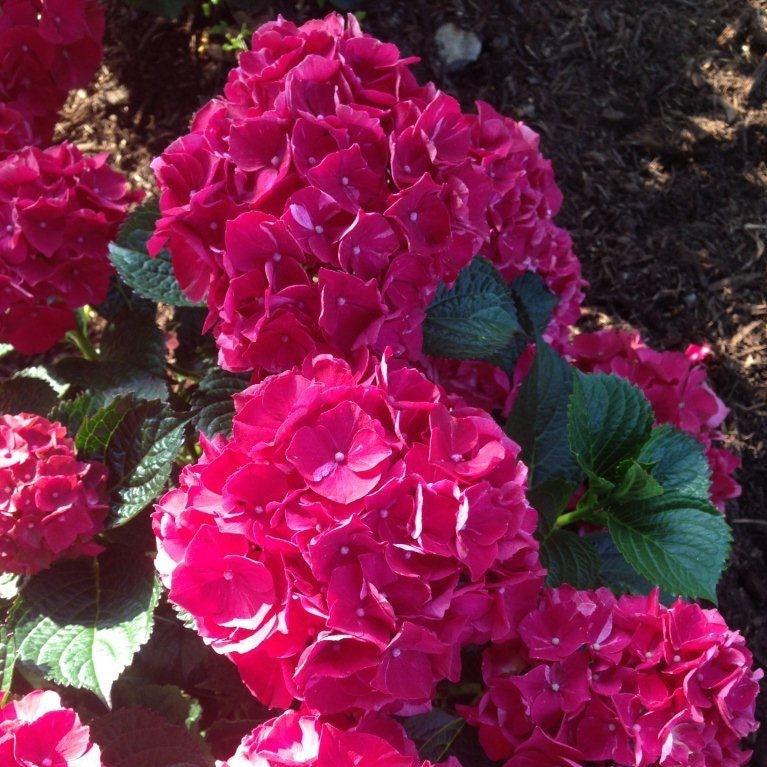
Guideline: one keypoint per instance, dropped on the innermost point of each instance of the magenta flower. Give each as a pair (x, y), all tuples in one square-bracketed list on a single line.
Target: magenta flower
[(351, 537), (36, 731), (676, 384), (303, 738), (626, 681), (51, 504), (320, 202), (46, 50), (59, 209)]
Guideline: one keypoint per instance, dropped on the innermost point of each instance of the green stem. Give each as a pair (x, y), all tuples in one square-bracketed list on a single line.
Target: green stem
[(83, 343), (584, 509)]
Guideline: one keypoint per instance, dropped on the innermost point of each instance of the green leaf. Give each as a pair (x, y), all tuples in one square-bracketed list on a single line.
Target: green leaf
[(678, 543), (474, 319), (636, 484), (137, 737), (138, 441), (132, 361), (614, 571), (535, 303), (140, 456), (434, 733), (167, 700), (80, 622), (609, 421), (677, 461), (213, 403), (150, 278), (571, 559), (550, 499), (72, 413), (24, 394), (538, 420), (168, 8)]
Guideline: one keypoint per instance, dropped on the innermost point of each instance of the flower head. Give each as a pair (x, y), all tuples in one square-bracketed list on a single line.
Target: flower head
[(320, 202), (59, 209), (304, 738), (351, 537), (37, 730), (51, 504), (603, 680)]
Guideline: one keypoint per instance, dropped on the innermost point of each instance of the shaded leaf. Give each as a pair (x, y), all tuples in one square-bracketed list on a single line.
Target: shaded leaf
[(570, 558), (434, 733), (535, 303), (213, 404), (22, 394)]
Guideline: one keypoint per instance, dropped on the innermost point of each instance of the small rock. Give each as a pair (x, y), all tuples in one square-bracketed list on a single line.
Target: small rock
[(457, 47)]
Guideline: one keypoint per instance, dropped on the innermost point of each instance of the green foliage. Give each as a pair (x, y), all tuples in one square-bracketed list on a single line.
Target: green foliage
[(138, 441), (167, 700), (139, 737), (168, 8), (150, 278), (26, 394), (571, 559), (474, 319), (439, 734), (81, 622), (212, 403), (538, 420)]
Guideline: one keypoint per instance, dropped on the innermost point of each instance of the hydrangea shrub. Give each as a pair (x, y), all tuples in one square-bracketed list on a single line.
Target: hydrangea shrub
[(403, 513)]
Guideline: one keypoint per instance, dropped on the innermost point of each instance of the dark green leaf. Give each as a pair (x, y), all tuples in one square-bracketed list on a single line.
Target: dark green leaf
[(80, 622), (72, 413), (609, 421), (474, 319), (569, 558), (23, 394), (636, 484), (132, 361), (614, 571), (168, 8), (137, 737), (538, 420), (678, 543), (167, 700), (550, 499), (213, 403), (677, 461), (97, 429), (434, 733), (150, 278), (535, 303)]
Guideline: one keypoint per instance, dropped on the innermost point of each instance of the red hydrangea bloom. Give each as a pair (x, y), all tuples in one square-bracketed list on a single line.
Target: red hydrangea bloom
[(676, 384), (59, 209), (351, 537), (51, 504), (47, 48), (626, 681), (15, 133), (303, 738), (37, 731), (322, 200)]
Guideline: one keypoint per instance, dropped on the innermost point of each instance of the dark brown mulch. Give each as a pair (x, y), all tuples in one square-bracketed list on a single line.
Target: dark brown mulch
[(655, 114)]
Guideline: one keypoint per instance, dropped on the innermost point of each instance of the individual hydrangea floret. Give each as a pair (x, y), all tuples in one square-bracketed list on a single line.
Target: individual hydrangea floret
[(320, 202), (37, 731), (676, 384), (303, 738), (59, 209), (351, 537), (47, 48), (51, 503), (599, 680)]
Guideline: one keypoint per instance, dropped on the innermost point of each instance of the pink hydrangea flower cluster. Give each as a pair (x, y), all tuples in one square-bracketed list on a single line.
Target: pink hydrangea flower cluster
[(51, 504), (47, 48), (355, 533), (59, 209), (303, 738), (618, 681), (676, 385), (322, 200), (37, 731)]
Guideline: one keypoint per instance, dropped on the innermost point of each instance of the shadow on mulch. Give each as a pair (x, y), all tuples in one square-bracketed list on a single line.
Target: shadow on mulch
[(659, 146)]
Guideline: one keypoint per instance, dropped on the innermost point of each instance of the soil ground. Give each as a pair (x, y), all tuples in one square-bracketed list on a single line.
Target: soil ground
[(655, 115)]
